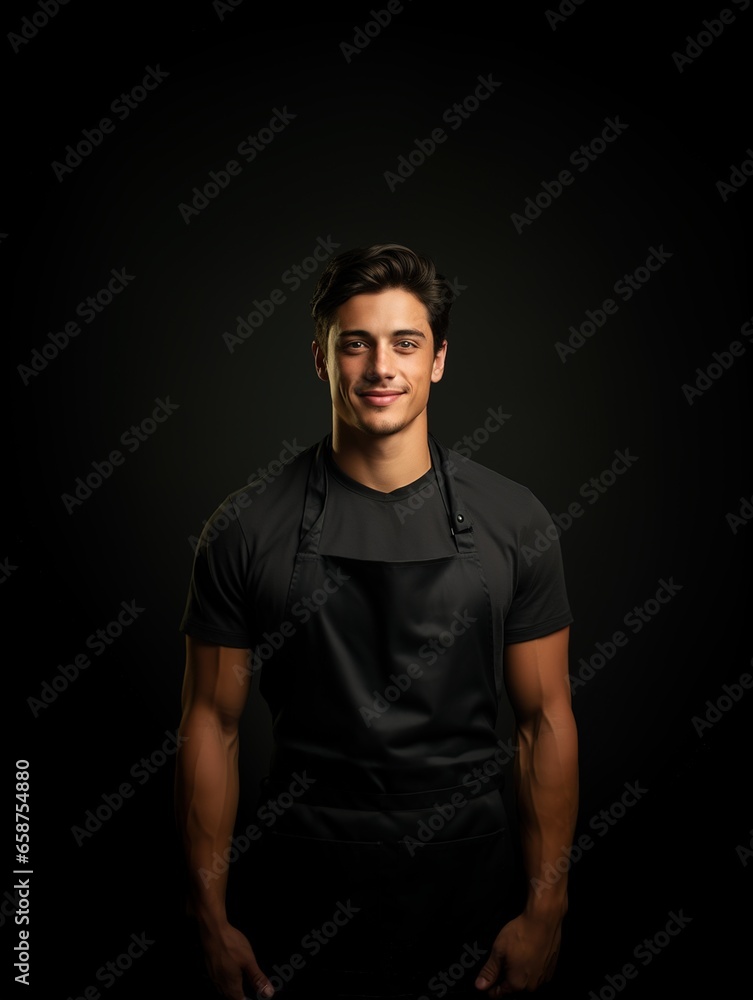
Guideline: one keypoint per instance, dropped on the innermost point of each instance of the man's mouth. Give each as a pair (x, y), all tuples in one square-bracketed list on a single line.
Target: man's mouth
[(381, 397)]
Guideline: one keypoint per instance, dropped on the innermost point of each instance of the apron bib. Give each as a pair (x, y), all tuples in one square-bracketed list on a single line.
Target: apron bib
[(394, 864)]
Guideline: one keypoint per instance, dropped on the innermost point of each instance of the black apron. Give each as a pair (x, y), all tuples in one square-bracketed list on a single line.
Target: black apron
[(389, 864)]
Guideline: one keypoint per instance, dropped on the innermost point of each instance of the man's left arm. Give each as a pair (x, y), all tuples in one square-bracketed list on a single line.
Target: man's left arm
[(525, 951)]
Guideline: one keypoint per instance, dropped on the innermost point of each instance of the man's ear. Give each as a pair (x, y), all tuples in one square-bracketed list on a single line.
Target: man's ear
[(320, 361), (439, 362)]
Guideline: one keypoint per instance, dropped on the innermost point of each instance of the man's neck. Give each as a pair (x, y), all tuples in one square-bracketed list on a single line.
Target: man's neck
[(382, 462)]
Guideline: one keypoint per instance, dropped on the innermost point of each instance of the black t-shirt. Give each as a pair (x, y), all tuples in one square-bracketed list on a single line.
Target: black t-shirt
[(245, 556)]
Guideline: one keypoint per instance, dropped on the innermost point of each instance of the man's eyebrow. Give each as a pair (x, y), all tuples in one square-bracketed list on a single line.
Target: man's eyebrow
[(396, 333)]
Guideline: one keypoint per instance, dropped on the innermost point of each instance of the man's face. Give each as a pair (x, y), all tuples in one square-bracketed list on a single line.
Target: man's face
[(380, 361)]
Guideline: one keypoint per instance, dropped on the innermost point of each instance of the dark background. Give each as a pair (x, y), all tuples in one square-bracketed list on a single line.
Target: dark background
[(680, 846)]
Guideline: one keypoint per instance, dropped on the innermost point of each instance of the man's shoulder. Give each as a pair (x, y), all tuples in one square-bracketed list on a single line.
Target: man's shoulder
[(271, 500), (483, 483), (286, 471), (504, 508)]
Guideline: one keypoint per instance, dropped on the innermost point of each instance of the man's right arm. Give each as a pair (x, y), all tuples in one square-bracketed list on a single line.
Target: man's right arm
[(215, 690)]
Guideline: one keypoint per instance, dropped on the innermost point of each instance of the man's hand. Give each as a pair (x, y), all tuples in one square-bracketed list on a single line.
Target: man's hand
[(523, 956), (229, 956)]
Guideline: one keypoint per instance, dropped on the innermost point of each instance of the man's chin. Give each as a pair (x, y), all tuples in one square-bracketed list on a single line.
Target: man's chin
[(381, 427)]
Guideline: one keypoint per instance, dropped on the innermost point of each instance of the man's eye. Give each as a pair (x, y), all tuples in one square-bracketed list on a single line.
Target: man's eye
[(353, 343)]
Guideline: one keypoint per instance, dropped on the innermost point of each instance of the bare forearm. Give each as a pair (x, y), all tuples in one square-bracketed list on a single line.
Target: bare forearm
[(547, 794), (207, 802)]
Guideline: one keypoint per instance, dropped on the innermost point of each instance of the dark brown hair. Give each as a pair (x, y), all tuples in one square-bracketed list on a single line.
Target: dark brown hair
[(372, 269)]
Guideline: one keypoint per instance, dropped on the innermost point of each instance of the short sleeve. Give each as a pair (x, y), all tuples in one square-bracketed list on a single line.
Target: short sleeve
[(217, 608), (540, 603)]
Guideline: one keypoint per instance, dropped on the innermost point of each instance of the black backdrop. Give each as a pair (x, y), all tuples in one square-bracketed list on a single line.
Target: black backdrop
[(653, 713)]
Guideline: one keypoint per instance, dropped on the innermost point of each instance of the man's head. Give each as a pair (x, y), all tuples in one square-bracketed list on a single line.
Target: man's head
[(372, 269), (381, 318)]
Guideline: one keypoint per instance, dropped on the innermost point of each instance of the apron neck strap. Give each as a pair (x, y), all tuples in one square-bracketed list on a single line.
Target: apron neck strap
[(444, 467), (461, 525)]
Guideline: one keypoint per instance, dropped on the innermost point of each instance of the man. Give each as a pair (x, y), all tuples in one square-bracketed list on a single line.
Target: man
[(388, 594)]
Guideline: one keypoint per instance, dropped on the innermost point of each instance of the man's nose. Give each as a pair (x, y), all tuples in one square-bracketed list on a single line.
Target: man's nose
[(381, 362)]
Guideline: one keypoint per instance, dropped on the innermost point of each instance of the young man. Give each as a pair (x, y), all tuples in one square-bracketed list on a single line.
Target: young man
[(383, 588)]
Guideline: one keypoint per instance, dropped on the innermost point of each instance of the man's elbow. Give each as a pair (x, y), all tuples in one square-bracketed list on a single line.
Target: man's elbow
[(200, 724)]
